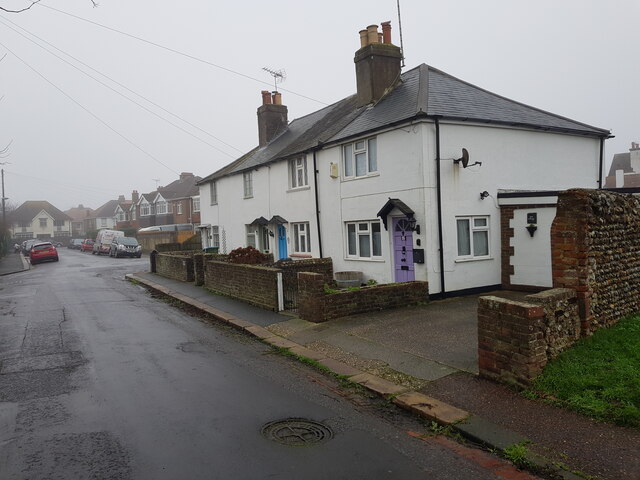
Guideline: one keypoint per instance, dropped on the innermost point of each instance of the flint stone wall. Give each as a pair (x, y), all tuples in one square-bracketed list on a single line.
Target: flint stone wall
[(595, 242)]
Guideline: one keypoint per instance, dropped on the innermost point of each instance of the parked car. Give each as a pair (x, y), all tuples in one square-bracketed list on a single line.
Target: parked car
[(27, 244), (125, 247), (42, 252), (75, 244), (104, 239), (86, 245)]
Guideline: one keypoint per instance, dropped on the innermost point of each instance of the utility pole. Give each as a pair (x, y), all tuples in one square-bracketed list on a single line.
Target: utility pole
[(4, 211)]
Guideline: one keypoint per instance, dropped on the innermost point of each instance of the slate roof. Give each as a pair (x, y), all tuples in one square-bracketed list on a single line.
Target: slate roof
[(181, 188), (29, 209), (107, 210), (621, 161), (423, 91)]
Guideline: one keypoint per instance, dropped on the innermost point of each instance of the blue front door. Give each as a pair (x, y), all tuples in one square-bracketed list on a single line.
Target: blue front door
[(282, 242)]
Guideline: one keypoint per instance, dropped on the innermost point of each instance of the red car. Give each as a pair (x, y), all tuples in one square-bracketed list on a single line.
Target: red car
[(43, 251), (87, 245)]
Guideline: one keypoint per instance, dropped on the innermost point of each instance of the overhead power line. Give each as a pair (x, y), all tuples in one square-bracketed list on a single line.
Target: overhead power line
[(3, 22), (178, 52), (129, 141)]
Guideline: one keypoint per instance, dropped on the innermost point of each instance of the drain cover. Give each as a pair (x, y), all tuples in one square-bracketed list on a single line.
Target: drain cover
[(297, 432)]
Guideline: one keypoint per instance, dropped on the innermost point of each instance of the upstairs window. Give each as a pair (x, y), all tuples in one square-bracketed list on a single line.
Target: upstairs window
[(360, 158), (179, 208), (473, 237), (247, 180), (298, 173), (196, 204), (213, 193), (161, 207), (145, 209), (43, 222)]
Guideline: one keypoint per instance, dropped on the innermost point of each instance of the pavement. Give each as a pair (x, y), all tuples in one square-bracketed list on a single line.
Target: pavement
[(424, 360)]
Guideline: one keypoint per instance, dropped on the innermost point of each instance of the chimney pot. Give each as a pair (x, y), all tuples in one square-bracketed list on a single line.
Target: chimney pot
[(386, 32), (266, 97), (277, 98), (363, 38), (372, 34)]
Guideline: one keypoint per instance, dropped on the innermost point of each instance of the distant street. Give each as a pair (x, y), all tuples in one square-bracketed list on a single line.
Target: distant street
[(99, 380)]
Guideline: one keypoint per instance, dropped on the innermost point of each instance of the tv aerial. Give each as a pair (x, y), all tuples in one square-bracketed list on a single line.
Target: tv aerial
[(279, 76)]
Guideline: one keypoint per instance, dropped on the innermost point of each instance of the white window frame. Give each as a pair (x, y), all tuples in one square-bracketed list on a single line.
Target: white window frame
[(474, 225), (43, 222), (298, 176), (355, 232), (301, 237), (196, 204), (161, 207), (360, 159), (215, 236), (179, 207), (247, 182), (213, 193), (251, 237), (145, 209)]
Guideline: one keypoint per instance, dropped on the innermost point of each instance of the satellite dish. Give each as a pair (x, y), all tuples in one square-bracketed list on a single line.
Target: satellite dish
[(464, 158)]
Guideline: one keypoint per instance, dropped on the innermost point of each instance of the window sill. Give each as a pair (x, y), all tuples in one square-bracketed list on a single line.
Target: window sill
[(477, 259), (300, 255), (248, 196), (298, 189), (365, 259), (351, 179)]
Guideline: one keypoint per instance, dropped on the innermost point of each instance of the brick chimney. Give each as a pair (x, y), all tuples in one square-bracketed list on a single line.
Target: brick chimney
[(135, 196), (272, 117), (185, 175), (378, 64), (121, 198)]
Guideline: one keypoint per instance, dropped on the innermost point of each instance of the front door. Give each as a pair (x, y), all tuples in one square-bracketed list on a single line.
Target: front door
[(282, 242), (403, 250)]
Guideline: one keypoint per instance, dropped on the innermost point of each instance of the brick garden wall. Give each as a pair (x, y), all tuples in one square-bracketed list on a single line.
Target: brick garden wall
[(315, 305), (178, 267), (517, 339), (595, 241), (255, 284), (323, 266)]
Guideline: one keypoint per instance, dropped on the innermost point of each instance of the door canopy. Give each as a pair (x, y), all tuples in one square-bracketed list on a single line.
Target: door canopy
[(400, 205)]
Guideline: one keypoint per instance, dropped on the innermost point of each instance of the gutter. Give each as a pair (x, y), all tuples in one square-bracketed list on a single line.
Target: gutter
[(439, 201)]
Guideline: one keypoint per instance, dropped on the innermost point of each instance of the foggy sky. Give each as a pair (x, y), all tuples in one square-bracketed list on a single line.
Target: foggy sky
[(74, 141)]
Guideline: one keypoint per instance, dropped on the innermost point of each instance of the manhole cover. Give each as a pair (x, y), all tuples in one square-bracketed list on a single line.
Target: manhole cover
[(297, 432)]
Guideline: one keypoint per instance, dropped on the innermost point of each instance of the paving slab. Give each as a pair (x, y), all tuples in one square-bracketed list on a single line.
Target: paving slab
[(376, 384)]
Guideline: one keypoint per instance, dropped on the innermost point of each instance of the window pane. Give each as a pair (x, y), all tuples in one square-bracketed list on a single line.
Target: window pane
[(479, 222), (363, 227), (359, 145), (376, 239), (373, 155), (364, 243), (348, 161), (464, 241), (480, 243), (361, 164), (351, 239)]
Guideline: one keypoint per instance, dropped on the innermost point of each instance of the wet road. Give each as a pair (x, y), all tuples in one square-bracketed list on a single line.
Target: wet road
[(100, 380)]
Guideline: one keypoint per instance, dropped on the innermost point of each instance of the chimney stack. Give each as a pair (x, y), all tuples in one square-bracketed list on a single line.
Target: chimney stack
[(184, 175), (272, 117), (378, 64), (134, 196)]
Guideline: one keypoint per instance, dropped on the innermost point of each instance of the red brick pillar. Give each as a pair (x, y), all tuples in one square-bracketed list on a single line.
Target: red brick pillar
[(311, 296)]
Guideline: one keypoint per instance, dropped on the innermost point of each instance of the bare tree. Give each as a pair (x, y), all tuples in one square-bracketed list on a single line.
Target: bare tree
[(4, 9)]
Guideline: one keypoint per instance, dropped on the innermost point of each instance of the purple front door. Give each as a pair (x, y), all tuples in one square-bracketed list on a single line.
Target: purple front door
[(403, 250)]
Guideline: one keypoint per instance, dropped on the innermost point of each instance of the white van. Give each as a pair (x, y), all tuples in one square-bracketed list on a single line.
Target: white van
[(104, 239)]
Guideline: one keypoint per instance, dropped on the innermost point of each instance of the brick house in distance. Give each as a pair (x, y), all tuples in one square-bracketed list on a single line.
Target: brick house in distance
[(176, 203), (625, 169)]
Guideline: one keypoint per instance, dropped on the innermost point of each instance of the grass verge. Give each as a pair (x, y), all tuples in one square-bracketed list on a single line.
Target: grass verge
[(599, 376)]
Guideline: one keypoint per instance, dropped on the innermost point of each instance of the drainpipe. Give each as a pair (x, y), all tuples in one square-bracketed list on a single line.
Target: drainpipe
[(315, 191), (601, 162), (439, 192)]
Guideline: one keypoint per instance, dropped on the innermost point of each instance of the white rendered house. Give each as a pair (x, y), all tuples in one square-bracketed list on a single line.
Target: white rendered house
[(419, 175)]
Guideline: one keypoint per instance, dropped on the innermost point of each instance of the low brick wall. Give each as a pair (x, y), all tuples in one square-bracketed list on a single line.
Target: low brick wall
[(255, 284), (178, 267), (517, 339), (323, 266), (315, 305)]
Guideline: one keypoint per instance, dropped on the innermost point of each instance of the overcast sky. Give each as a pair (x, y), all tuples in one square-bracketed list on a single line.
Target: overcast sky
[(198, 65)]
